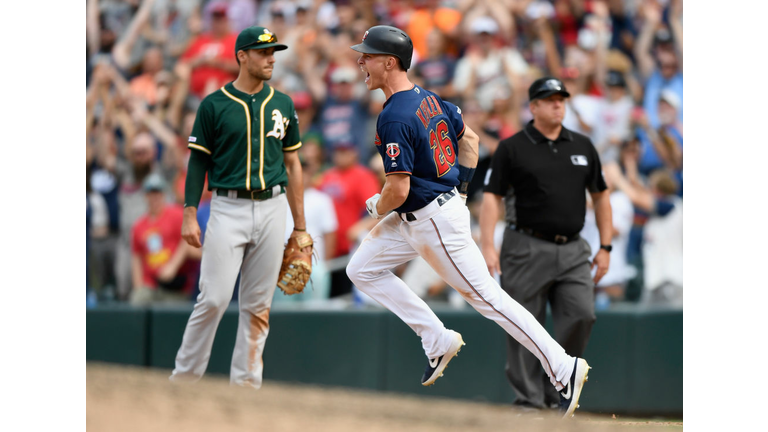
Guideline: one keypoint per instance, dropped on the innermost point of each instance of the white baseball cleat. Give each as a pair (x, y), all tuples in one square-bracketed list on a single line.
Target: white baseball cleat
[(569, 395), (436, 366)]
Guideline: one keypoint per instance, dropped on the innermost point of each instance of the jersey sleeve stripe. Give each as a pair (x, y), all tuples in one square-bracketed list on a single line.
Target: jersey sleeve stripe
[(292, 148), (400, 172), (461, 134), (199, 147)]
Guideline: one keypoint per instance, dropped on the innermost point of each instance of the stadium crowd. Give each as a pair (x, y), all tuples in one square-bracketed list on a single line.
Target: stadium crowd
[(149, 63)]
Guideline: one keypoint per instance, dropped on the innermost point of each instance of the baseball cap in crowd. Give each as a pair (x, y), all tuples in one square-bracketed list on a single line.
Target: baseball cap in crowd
[(344, 75), (662, 37), (153, 183), (303, 6), (671, 98), (219, 9), (301, 100), (615, 79), (343, 145), (484, 24), (545, 87), (257, 38)]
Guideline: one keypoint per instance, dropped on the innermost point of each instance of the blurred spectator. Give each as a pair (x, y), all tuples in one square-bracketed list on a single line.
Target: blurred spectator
[(320, 215), (173, 23), (612, 286), (488, 68), (343, 118), (659, 53), (306, 110), (662, 146), (211, 55), (145, 85), (567, 18), (623, 32), (477, 119), (614, 115), (435, 71), (162, 264), (131, 173), (426, 16), (129, 50), (349, 183), (241, 13), (101, 254), (662, 237), (89, 295), (503, 117), (313, 155), (581, 109)]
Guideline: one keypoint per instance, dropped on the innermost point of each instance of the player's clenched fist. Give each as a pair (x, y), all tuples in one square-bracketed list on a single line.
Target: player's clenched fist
[(370, 205), (190, 229)]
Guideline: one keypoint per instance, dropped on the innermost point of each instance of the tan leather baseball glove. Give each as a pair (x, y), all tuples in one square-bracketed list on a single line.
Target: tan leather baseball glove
[(297, 265)]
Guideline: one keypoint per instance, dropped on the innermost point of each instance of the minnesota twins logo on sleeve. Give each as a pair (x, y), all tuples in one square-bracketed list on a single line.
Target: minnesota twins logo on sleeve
[(393, 150), (278, 131)]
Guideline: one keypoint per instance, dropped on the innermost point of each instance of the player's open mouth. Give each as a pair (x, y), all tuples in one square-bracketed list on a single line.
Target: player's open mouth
[(367, 77)]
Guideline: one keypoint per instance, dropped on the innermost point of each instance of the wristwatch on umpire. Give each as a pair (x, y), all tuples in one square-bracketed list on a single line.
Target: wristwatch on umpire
[(606, 247)]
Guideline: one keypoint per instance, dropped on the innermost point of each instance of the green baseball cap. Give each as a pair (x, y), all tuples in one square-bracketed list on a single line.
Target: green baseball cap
[(257, 38)]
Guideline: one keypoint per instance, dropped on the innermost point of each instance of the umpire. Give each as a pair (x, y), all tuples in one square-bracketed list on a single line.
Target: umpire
[(542, 172)]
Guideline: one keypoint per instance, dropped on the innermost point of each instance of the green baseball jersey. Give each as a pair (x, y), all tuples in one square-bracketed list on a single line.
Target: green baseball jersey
[(245, 137)]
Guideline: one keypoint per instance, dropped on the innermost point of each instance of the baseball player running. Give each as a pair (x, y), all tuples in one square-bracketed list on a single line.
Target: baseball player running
[(244, 137), (428, 151)]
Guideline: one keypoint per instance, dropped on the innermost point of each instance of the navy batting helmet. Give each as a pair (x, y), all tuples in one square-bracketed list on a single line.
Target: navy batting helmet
[(387, 40)]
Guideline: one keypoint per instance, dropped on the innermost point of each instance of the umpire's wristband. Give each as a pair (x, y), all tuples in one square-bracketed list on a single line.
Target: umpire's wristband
[(465, 177)]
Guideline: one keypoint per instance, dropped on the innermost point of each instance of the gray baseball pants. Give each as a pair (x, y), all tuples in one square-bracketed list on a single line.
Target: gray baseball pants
[(246, 237), (535, 273)]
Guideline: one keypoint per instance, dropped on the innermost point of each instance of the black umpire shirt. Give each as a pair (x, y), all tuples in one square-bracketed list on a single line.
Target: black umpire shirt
[(546, 180)]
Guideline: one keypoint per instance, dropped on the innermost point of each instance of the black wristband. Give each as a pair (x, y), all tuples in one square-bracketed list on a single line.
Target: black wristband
[(465, 177)]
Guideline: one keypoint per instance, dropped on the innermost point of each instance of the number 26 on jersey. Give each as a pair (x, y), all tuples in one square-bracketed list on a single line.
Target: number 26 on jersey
[(442, 148)]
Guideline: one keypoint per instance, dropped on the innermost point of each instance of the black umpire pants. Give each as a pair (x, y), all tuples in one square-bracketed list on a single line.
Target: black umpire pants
[(536, 272)]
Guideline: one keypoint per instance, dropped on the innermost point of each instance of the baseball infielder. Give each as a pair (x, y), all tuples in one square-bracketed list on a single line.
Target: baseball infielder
[(428, 151), (245, 136)]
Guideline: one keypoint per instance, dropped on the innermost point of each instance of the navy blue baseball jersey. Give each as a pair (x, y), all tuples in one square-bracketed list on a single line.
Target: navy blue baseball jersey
[(417, 133)]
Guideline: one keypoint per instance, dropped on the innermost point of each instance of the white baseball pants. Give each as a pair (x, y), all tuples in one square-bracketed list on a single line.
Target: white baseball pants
[(246, 237), (441, 235)]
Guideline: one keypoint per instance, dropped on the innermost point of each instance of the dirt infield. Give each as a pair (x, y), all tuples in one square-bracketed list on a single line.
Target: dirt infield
[(122, 398)]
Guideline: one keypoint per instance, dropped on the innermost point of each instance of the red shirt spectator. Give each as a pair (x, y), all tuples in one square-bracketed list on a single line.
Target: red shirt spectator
[(349, 184), (212, 56), (154, 240)]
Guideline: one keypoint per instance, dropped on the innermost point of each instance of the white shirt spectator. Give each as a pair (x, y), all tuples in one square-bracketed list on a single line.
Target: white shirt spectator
[(619, 272), (612, 123), (489, 73), (589, 109), (320, 215), (663, 254)]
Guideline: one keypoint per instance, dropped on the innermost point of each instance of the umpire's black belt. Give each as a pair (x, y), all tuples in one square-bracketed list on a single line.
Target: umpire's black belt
[(441, 199), (554, 238), (257, 195)]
